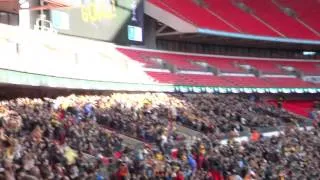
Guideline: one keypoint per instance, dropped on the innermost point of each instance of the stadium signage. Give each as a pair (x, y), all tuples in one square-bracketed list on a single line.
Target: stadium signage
[(97, 11)]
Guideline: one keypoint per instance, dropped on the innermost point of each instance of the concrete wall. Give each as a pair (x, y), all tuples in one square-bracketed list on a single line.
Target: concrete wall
[(56, 55)]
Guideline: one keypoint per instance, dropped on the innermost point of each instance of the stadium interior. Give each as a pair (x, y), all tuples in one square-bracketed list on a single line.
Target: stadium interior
[(159, 89)]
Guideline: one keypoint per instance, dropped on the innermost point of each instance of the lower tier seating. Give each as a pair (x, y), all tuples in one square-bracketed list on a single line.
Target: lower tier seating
[(228, 81), (300, 107), (190, 79), (247, 81), (288, 82)]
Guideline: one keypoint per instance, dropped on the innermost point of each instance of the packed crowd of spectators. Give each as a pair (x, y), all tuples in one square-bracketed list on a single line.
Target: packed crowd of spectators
[(70, 138), (207, 113)]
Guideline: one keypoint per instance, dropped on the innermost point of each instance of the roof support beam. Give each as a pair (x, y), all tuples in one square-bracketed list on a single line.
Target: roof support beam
[(163, 27), (169, 33)]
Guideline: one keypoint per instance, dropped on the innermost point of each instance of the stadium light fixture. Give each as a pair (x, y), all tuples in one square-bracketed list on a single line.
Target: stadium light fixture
[(308, 53)]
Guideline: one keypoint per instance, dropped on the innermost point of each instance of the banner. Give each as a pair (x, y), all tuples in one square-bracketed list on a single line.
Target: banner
[(107, 20)]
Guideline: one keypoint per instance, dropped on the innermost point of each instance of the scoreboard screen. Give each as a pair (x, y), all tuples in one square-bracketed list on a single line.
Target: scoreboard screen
[(107, 20)]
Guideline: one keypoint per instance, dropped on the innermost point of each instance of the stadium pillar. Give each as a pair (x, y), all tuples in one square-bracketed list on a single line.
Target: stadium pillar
[(150, 32), (27, 18)]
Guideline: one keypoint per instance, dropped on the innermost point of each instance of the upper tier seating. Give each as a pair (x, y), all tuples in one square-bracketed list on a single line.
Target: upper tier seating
[(263, 18), (274, 16), (194, 14), (165, 7), (242, 20), (308, 11)]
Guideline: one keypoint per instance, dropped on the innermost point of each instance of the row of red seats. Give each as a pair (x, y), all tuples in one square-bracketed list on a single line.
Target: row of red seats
[(274, 67), (229, 65), (247, 81), (228, 81), (189, 79), (182, 62), (267, 67), (289, 82), (224, 64), (139, 56)]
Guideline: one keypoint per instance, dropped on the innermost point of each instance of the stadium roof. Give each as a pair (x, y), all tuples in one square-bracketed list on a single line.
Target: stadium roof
[(13, 6)]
